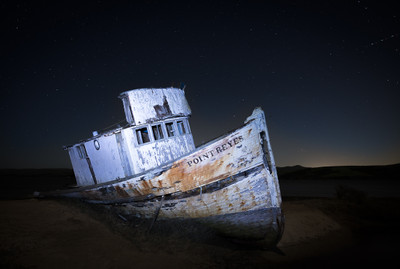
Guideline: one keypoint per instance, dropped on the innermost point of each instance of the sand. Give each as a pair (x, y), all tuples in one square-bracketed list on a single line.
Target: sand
[(70, 234)]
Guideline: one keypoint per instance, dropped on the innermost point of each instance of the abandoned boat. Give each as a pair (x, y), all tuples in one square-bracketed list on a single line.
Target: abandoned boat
[(150, 168)]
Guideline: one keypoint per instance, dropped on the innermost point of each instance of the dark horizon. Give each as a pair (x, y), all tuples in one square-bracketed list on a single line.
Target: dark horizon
[(325, 73)]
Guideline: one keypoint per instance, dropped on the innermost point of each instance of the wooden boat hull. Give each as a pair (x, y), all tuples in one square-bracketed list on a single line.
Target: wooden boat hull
[(229, 184), (237, 207)]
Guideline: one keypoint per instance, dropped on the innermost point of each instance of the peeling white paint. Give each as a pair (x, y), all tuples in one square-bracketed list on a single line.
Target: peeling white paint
[(119, 154), (149, 105)]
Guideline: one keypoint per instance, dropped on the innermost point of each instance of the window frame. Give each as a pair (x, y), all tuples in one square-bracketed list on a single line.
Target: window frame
[(160, 129), (139, 136), (188, 131), (173, 129), (183, 125)]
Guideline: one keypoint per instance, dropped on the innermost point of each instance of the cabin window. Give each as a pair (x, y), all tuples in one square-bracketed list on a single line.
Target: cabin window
[(157, 132), (81, 151), (78, 149), (142, 135), (186, 123), (170, 128), (96, 144), (181, 127)]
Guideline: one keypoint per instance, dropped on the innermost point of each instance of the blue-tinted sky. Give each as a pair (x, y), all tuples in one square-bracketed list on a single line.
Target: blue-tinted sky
[(326, 73)]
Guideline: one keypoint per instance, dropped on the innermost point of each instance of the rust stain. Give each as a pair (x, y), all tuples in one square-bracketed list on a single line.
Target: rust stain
[(121, 192), (227, 159), (226, 200), (136, 192)]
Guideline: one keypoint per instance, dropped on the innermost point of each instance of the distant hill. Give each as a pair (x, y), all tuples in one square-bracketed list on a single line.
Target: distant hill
[(340, 172)]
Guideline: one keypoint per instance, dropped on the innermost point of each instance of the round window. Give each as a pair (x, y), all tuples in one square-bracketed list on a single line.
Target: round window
[(96, 144)]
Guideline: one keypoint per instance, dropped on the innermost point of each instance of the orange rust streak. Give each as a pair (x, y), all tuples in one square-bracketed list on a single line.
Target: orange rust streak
[(216, 167), (121, 192)]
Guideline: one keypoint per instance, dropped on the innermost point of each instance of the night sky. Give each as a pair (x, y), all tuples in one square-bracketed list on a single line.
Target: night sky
[(326, 73)]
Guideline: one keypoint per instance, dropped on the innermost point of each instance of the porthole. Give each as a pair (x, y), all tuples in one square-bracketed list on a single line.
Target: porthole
[(96, 144)]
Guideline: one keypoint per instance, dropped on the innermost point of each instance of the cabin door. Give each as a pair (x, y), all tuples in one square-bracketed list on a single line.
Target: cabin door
[(123, 154), (85, 155)]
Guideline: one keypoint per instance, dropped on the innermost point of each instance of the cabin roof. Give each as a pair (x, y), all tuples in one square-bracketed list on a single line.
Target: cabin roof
[(147, 105)]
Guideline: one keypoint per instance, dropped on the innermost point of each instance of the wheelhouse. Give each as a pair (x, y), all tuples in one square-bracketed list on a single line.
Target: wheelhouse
[(157, 131)]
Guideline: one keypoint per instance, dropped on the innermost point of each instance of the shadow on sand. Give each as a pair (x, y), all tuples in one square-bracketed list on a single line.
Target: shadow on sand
[(350, 229)]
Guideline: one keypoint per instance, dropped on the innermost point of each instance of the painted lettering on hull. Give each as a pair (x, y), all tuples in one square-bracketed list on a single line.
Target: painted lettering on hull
[(217, 150)]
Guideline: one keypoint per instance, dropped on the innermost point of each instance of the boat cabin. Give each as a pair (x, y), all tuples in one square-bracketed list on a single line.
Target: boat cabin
[(156, 132)]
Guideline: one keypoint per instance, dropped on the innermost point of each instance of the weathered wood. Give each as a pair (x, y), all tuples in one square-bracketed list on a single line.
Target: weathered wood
[(156, 214)]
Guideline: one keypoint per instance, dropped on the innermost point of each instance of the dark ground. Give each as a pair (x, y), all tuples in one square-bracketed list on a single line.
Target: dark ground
[(351, 229)]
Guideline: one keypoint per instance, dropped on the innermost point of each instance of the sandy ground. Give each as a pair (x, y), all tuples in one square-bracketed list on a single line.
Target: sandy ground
[(319, 233)]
